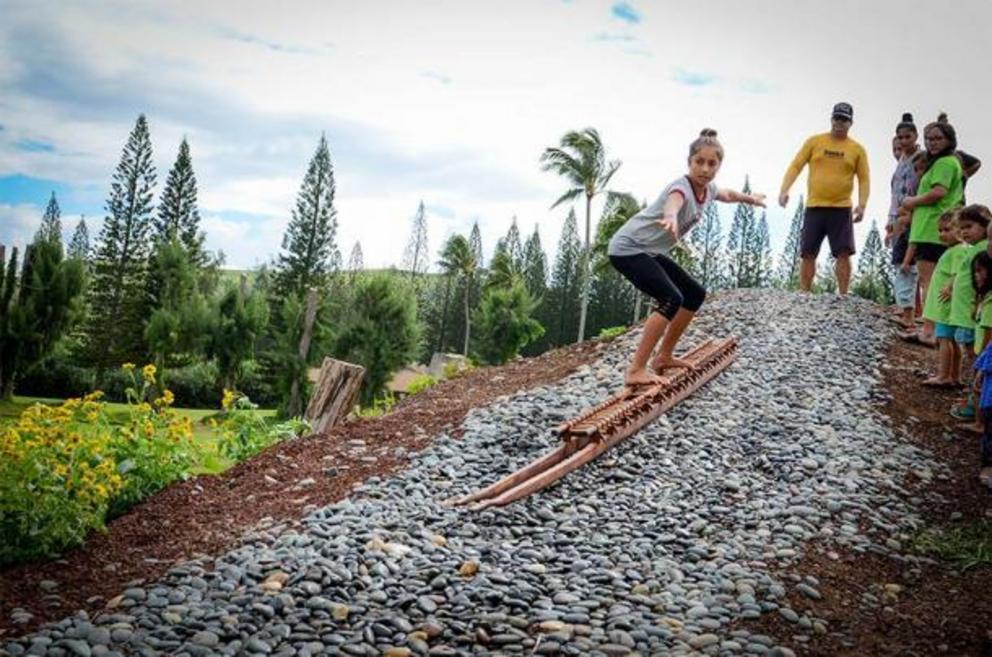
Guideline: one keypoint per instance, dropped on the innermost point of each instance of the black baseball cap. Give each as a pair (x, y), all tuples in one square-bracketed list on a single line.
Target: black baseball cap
[(843, 111)]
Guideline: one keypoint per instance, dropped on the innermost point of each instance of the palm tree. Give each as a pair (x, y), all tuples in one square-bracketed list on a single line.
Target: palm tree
[(457, 257), (581, 160)]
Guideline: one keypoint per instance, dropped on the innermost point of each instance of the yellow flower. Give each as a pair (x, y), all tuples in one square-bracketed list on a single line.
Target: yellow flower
[(230, 397), (128, 367), (148, 373)]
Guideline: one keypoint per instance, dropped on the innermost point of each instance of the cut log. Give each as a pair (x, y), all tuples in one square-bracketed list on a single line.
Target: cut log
[(334, 395)]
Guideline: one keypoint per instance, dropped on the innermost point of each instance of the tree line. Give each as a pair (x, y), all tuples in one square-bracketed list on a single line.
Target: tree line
[(147, 289)]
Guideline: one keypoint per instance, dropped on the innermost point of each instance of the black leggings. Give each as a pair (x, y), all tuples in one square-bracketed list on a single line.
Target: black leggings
[(661, 279)]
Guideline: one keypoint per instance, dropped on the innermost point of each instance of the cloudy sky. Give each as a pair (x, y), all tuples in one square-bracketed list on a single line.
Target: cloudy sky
[(453, 102)]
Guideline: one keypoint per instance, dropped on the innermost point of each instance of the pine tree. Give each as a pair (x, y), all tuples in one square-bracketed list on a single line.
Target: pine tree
[(117, 301), (535, 266), (762, 253), (788, 268), (873, 280), (51, 223), (356, 262), (416, 259), (178, 214), (37, 307), (310, 252), (563, 309), (740, 242), (475, 243), (239, 322), (513, 246), (826, 276), (79, 245), (705, 240)]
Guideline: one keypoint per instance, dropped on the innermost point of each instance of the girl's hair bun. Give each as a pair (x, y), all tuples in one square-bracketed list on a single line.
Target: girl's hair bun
[(907, 117), (942, 117), (707, 132)]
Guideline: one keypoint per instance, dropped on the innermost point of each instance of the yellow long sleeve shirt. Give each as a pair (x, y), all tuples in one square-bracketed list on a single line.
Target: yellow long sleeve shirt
[(833, 164)]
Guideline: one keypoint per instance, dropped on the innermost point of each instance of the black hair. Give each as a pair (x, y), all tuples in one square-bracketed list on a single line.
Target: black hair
[(977, 213), (907, 123), (707, 137), (982, 260), (949, 133)]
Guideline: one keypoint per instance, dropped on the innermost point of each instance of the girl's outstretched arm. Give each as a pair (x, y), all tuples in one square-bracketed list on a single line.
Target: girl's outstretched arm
[(733, 196)]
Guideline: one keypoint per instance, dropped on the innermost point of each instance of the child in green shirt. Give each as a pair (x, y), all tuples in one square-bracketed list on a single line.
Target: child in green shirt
[(973, 221), (937, 307)]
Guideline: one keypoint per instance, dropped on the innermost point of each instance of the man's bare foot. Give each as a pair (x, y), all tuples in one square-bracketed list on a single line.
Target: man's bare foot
[(641, 377), (665, 361)]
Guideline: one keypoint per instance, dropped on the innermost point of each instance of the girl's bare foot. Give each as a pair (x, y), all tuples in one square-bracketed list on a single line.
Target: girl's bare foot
[(665, 361), (935, 382), (985, 476), (641, 377)]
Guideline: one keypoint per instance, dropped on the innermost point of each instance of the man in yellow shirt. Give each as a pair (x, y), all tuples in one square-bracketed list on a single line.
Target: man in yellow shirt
[(834, 160)]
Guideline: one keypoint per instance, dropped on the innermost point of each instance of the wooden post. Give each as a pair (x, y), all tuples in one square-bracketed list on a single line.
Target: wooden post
[(334, 395), (309, 315)]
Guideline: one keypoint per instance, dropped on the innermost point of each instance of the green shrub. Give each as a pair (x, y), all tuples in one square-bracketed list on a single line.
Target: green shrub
[(380, 406), (454, 368), (612, 333), (244, 432), (65, 469), (420, 382)]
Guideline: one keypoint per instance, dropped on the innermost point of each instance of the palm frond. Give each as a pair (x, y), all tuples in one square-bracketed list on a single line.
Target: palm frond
[(568, 196)]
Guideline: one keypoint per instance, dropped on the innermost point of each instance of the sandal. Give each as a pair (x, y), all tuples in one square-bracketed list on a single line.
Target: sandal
[(964, 412)]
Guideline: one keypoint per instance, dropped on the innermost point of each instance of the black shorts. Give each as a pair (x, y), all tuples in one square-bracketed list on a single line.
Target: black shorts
[(663, 280), (833, 223), (928, 252)]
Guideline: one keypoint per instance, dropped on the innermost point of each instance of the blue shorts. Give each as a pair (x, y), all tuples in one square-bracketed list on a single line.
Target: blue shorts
[(943, 331), (964, 335)]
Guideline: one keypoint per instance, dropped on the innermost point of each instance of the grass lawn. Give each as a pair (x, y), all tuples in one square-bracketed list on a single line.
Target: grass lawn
[(209, 460)]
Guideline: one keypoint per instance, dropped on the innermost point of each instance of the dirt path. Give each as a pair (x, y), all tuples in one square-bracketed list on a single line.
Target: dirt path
[(888, 609)]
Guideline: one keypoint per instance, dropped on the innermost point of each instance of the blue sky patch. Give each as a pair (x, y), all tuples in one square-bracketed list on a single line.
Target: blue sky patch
[(693, 78), (625, 12), (18, 189), (34, 146)]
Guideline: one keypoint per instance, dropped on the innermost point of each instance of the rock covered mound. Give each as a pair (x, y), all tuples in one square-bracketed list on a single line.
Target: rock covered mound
[(657, 548)]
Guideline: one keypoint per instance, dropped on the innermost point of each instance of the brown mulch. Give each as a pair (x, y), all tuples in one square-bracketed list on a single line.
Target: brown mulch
[(208, 514), (939, 609)]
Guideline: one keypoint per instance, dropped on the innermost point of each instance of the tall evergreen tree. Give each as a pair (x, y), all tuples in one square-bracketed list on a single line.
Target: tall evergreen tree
[(475, 243), (310, 252), (873, 280), (37, 307), (565, 293), (51, 223), (513, 246), (741, 262), (79, 245), (416, 258), (762, 253), (788, 267), (505, 321), (581, 160), (356, 262), (239, 321), (117, 302), (178, 215), (705, 240), (535, 266)]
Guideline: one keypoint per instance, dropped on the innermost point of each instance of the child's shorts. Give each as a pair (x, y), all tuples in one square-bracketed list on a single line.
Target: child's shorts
[(963, 335), (943, 331)]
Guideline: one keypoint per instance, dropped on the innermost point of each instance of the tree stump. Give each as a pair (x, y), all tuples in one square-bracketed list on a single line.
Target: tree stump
[(334, 395)]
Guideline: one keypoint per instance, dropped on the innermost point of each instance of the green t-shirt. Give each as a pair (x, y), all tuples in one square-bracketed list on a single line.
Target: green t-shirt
[(963, 293), (945, 172), (933, 308), (984, 322)]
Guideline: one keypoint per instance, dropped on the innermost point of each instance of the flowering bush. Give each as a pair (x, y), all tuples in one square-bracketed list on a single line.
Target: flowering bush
[(244, 432), (64, 469), (57, 477)]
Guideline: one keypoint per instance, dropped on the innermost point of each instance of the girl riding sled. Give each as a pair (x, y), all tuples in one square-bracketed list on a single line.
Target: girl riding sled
[(639, 250)]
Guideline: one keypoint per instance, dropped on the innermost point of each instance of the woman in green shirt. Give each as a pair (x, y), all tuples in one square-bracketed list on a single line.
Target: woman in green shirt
[(941, 188)]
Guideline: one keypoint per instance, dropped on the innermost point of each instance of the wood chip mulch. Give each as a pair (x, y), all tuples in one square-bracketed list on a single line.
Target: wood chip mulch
[(208, 514), (943, 610)]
